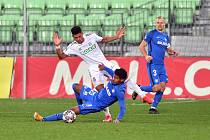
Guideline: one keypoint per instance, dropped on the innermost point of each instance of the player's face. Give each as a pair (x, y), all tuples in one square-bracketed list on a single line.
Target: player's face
[(79, 38), (160, 24), (116, 80)]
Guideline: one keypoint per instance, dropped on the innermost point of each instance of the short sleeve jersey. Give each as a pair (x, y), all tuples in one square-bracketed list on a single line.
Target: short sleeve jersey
[(157, 42), (89, 50)]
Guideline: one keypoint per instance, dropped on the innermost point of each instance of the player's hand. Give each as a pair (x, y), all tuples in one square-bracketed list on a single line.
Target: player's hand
[(175, 54), (101, 67), (148, 58), (120, 32), (116, 121), (56, 39)]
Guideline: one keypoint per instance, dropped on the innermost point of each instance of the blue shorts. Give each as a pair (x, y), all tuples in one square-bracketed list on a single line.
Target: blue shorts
[(157, 74), (88, 97)]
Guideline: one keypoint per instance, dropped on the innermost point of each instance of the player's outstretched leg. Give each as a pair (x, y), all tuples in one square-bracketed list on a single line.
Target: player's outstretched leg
[(134, 95), (54, 117), (145, 99), (138, 91), (157, 99)]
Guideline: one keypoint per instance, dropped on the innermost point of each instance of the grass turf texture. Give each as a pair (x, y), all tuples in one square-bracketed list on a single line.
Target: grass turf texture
[(178, 120)]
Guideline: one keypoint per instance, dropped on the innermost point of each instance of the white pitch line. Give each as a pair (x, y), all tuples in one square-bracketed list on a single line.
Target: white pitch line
[(172, 102)]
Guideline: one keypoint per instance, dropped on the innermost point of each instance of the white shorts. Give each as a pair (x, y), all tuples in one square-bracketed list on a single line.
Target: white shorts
[(97, 76)]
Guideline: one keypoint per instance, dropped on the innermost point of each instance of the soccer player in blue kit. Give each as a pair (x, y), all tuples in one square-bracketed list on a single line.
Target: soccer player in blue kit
[(91, 101), (158, 43)]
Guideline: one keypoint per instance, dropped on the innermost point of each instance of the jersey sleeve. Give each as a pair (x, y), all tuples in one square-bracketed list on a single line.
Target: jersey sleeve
[(109, 72), (121, 102), (97, 38), (148, 37), (69, 50)]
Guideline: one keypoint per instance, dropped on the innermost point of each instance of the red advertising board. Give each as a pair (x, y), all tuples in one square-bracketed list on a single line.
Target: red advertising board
[(49, 77)]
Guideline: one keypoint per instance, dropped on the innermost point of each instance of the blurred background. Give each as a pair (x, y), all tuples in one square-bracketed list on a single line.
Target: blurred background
[(188, 24), (30, 68)]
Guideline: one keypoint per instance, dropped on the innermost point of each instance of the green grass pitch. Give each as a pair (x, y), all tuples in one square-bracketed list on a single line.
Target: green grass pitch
[(178, 120)]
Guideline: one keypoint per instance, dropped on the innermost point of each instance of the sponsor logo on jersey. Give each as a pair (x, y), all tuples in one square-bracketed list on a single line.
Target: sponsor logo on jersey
[(88, 50), (162, 43), (87, 105)]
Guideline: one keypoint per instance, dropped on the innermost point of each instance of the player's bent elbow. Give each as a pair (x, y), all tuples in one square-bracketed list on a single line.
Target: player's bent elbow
[(77, 87), (74, 86), (61, 57)]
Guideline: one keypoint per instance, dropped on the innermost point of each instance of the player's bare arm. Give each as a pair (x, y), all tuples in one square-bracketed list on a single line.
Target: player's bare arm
[(57, 42), (119, 34), (142, 47)]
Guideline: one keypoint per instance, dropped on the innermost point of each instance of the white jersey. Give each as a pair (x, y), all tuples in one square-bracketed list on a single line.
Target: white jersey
[(89, 50)]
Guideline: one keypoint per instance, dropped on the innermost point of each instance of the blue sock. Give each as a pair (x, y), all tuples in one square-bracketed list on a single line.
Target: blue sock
[(54, 117), (79, 100), (146, 88), (157, 99)]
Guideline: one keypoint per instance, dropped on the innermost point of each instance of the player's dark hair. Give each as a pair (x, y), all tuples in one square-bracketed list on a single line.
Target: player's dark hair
[(75, 30), (121, 73)]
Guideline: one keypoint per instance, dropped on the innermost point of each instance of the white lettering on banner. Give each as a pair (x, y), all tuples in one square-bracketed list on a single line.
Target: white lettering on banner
[(62, 72), (189, 78), (133, 74)]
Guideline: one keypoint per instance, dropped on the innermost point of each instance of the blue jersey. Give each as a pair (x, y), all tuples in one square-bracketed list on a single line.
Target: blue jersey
[(157, 42), (97, 101), (110, 94)]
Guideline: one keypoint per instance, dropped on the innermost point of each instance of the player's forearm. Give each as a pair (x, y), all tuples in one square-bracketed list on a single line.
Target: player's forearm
[(107, 39), (142, 49), (122, 107), (121, 114)]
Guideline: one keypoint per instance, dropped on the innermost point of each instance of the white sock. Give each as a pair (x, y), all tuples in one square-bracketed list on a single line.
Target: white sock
[(106, 111), (136, 88)]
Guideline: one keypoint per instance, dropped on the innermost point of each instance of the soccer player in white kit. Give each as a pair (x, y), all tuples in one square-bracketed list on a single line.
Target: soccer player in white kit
[(86, 47)]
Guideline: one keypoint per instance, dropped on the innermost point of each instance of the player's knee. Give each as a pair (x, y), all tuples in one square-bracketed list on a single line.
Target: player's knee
[(99, 87), (156, 88), (162, 89)]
